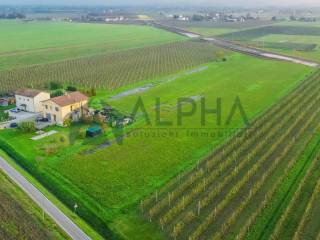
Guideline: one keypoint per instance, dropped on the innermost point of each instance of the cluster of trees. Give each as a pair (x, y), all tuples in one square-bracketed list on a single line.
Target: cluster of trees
[(57, 89)]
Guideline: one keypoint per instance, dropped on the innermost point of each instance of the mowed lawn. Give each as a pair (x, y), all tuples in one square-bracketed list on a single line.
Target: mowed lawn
[(39, 42), (108, 183), (300, 39)]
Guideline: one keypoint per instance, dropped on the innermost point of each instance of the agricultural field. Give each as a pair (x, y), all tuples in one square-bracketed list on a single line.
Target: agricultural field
[(242, 190), (41, 42), (115, 178), (294, 39), (307, 47), (216, 28), (20, 218), (113, 70)]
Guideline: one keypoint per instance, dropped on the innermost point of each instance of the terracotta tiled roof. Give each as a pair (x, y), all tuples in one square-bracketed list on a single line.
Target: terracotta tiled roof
[(26, 92), (69, 99)]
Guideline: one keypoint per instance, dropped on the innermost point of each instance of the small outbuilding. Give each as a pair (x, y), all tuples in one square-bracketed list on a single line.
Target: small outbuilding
[(94, 131)]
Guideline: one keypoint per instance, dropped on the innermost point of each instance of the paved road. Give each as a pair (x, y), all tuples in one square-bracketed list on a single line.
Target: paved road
[(62, 220)]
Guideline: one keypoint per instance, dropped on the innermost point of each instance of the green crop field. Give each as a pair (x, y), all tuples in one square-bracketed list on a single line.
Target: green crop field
[(294, 39), (115, 178), (217, 28), (30, 43), (307, 47), (253, 33), (20, 218), (113, 70)]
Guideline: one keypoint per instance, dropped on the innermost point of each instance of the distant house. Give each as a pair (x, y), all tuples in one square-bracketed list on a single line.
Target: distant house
[(30, 100), (70, 106)]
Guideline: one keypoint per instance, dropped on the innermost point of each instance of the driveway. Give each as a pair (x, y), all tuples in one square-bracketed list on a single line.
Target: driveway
[(20, 117)]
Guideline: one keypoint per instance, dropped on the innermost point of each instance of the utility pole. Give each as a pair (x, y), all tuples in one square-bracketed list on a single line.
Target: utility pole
[(75, 207)]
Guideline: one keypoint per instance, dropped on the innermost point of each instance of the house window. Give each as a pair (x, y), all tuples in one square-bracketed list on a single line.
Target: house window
[(46, 106), (57, 109)]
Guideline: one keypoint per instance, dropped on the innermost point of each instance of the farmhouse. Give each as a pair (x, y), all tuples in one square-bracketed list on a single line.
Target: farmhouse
[(29, 100), (70, 106)]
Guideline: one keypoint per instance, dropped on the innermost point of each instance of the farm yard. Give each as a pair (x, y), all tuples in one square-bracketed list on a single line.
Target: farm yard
[(20, 219)]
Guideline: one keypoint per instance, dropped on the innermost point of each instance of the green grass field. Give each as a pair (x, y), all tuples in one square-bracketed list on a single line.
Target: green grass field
[(300, 39), (39, 42), (20, 218), (114, 179)]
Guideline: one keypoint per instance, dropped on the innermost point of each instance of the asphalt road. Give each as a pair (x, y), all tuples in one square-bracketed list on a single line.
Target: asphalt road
[(62, 220)]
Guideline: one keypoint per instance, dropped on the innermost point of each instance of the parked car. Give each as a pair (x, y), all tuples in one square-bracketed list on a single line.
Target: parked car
[(13, 125), (15, 110), (42, 119)]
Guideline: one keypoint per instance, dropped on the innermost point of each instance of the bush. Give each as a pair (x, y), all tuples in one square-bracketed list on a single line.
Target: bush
[(87, 119), (98, 119), (4, 116), (67, 122), (82, 133), (57, 93), (55, 85), (71, 89), (27, 127)]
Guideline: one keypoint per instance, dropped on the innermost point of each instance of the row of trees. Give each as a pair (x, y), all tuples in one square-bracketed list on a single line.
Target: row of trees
[(180, 183), (297, 195), (222, 162)]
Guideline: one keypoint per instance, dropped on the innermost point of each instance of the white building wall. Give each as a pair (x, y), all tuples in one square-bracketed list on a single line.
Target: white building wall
[(32, 104), (22, 100), (38, 107)]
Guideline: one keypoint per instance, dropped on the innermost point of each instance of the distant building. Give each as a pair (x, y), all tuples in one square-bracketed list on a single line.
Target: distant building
[(29, 100), (70, 106)]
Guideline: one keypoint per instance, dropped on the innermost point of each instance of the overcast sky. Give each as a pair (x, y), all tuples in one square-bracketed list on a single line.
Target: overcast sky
[(287, 3)]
